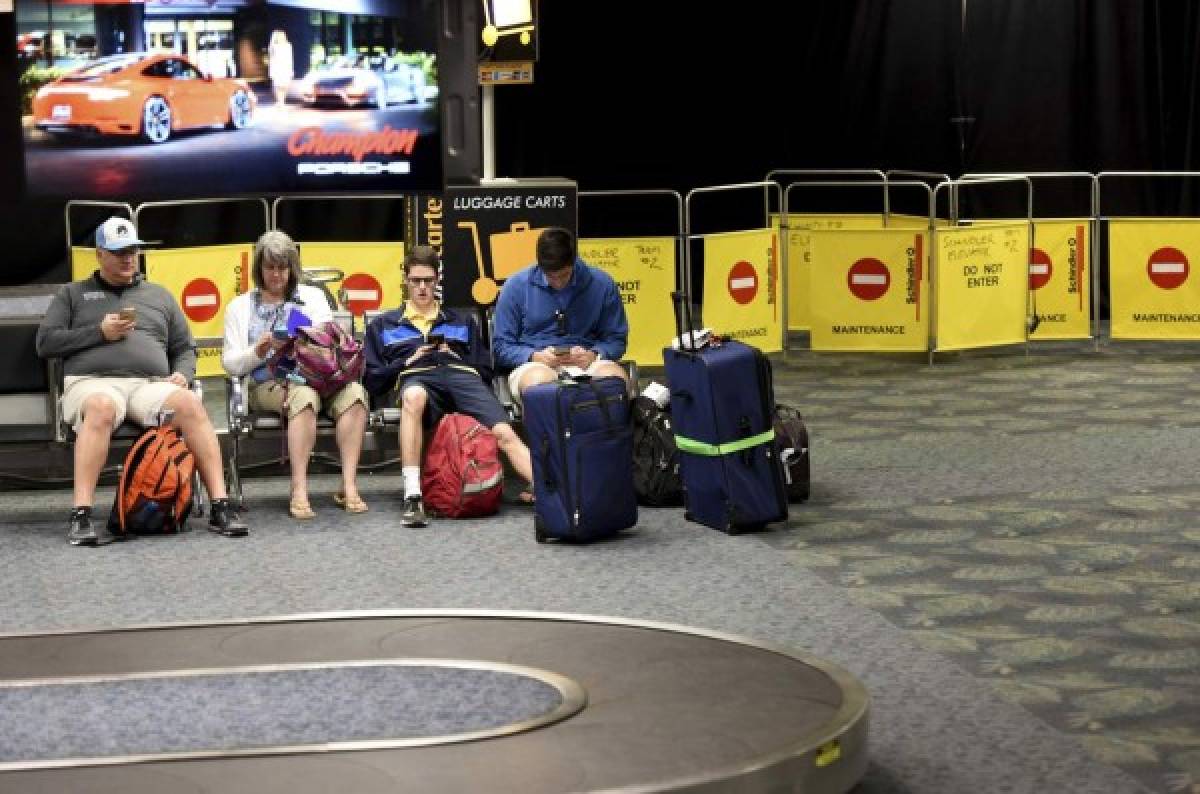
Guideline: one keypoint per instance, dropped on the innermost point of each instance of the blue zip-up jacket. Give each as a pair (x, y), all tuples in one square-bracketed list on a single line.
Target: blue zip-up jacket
[(391, 339), (525, 323)]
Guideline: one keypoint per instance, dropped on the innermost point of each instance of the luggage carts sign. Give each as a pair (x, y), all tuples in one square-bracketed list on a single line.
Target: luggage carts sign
[(489, 232)]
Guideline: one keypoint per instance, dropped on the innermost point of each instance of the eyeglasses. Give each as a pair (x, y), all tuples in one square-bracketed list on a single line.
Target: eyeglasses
[(422, 281)]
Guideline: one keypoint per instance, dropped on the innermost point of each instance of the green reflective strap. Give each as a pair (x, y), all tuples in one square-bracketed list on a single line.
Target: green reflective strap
[(711, 450)]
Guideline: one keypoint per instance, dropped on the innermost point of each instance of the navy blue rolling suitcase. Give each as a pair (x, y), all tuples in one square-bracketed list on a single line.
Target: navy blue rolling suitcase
[(723, 408), (581, 442)]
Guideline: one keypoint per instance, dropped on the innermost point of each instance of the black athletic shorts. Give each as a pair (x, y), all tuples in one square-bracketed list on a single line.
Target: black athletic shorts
[(453, 390)]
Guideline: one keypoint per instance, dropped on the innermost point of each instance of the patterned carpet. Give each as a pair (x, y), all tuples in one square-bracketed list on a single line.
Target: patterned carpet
[(1032, 518)]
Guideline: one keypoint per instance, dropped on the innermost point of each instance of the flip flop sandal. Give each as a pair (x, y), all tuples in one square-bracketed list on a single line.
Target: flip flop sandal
[(352, 505), (301, 510)]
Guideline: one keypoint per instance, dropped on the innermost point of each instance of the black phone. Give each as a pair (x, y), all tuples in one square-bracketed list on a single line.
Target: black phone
[(562, 350), (435, 339)]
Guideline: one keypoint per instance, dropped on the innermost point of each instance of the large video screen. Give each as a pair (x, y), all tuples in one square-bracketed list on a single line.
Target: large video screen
[(148, 99)]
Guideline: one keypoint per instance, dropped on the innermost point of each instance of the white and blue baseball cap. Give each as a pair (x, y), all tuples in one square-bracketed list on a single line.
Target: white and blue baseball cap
[(117, 234)]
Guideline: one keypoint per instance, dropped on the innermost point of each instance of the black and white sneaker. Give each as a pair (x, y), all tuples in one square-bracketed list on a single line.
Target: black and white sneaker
[(224, 521), (82, 532), (414, 513)]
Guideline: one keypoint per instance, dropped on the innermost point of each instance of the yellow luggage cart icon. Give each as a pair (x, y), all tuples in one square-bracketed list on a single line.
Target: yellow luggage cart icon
[(509, 252)]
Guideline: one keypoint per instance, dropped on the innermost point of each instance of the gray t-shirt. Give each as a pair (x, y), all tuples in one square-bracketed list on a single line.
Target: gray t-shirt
[(160, 343)]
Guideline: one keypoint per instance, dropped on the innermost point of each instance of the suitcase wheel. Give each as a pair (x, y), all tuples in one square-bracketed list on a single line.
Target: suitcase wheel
[(539, 532)]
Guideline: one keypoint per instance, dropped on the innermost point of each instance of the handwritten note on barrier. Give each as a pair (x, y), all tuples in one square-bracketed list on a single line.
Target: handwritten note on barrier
[(981, 286), (644, 269)]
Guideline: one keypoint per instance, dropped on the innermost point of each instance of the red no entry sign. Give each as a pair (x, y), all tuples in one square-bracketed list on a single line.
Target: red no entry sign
[(1167, 268), (743, 282), (1040, 268), (868, 279), (201, 300), (363, 293)]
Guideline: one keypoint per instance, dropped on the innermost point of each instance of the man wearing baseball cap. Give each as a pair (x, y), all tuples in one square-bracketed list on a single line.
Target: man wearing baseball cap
[(127, 353)]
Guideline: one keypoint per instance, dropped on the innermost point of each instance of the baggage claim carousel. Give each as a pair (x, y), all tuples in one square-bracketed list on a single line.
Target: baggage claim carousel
[(428, 701)]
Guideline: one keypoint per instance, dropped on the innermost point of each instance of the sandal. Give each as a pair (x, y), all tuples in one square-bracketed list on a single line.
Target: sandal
[(301, 510), (354, 504)]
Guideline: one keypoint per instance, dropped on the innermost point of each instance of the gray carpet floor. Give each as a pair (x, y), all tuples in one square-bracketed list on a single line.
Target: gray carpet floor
[(987, 444)]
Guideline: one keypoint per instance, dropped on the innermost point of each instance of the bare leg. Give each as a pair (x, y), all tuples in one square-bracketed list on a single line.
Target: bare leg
[(412, 411), (607, 369), (350, 427), (199, 437), (515, 450), (91, 446), (301, 438), (536, 375)]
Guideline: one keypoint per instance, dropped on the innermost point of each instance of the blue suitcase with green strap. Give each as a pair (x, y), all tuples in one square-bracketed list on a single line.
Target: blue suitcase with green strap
[(723, 411)]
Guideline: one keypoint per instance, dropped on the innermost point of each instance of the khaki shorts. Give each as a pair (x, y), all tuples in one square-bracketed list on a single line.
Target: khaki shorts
[(138, 399), (268, 396), (515, 376)]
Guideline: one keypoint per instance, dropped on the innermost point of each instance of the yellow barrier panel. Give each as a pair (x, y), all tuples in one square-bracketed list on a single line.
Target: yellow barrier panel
[(374, 278), (799, 280), (827, 220), (741, 287), (869, 292), (1153, 295), (83, 262), (799, 256), (644, 269), (203, 281), (982, 286), (898, 220), (1060, 280)]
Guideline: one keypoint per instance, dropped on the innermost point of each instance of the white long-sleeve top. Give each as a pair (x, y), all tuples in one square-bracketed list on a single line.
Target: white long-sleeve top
[(237, 354)]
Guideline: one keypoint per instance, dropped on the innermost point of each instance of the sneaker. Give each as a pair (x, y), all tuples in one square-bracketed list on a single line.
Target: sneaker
[(83, 532), (414, 513), (224, 521)]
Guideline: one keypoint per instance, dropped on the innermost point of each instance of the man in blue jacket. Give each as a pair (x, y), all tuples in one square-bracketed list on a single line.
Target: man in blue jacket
[(436, 357), (559, 314)]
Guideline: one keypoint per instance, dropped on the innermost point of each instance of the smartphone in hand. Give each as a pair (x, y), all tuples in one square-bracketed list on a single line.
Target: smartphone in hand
[(435, 339), (562, 350), (128, 314), (281, 334)]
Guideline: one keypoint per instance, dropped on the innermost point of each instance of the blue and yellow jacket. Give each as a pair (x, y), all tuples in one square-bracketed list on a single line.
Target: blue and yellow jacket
[(391, 339)]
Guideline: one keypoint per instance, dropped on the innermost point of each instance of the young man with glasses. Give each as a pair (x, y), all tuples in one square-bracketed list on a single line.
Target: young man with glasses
[(127, 352), (558, 315), (434, 358)]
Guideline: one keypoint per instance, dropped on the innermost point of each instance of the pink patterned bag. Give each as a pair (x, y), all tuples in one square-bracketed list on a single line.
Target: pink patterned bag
[(326, 357)]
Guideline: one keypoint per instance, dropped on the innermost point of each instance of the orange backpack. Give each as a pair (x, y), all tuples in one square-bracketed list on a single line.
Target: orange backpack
[(154, 494)]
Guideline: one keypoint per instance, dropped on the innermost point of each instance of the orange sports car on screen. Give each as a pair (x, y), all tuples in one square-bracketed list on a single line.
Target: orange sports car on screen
[(141, 94)]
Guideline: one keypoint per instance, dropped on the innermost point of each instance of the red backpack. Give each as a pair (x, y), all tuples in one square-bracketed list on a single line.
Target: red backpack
[(462, 476)]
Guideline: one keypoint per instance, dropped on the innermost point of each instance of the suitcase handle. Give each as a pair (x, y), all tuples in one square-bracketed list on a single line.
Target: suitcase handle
[(683, 316), (609, 424)]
